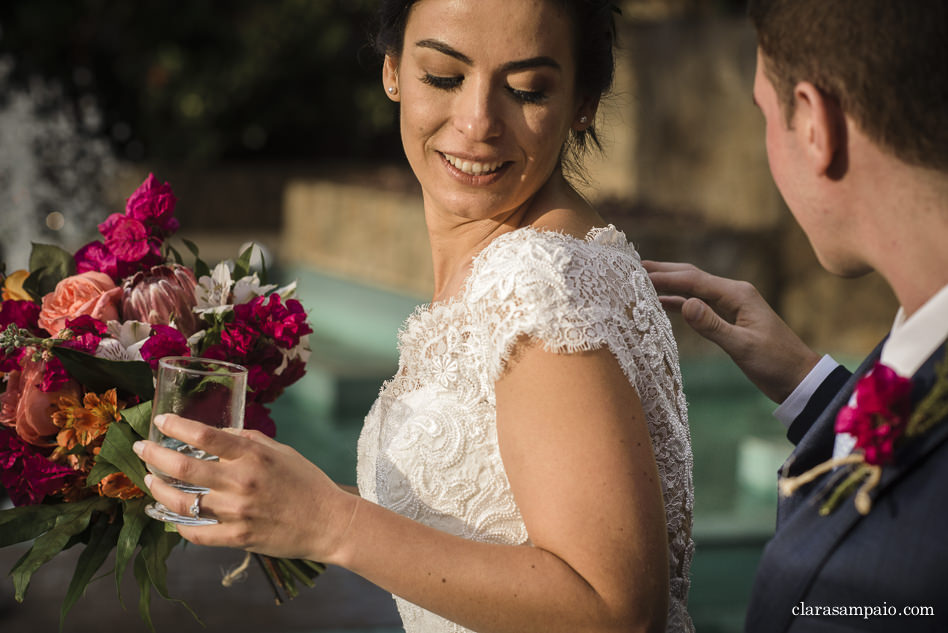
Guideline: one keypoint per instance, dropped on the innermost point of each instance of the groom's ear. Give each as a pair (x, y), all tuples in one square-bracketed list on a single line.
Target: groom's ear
[(821, 126)]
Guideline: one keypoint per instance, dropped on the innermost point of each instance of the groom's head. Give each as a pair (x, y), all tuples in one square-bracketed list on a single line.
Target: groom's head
[(884, 61)]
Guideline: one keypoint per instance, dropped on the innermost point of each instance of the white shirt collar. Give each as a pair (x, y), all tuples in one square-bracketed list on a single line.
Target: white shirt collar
[(914, 339)]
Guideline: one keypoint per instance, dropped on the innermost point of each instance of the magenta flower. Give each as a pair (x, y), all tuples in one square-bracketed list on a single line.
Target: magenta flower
[(28, 476), (86, 331), (126, 238), (160, 295), (24, 315), (95, 256), (879, 414), (285, 324), (257, 418), (164, 341), (153, 204)]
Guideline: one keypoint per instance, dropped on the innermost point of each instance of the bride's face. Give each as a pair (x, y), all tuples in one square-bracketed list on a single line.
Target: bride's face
[(487, 92)]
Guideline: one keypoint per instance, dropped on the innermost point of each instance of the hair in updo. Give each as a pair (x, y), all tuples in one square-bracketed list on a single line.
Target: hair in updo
[(594, 36)]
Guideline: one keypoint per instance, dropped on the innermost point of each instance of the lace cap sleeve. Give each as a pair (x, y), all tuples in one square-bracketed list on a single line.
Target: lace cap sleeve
[(570, 294)]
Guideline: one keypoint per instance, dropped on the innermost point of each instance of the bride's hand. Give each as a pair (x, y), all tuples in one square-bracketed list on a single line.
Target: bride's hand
[(266, 496)]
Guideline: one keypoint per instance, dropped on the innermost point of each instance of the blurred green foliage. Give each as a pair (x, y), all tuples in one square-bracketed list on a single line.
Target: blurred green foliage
[(210, 80)]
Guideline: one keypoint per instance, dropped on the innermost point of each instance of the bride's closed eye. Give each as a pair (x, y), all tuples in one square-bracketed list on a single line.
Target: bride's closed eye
[(527, 96), (441, 82), (453, 82)]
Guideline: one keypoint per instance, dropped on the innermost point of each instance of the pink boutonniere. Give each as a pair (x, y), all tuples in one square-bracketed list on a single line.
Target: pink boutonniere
[(880, 417)]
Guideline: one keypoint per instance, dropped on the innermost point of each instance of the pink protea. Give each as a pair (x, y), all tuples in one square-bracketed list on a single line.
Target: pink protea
[(160, 295)]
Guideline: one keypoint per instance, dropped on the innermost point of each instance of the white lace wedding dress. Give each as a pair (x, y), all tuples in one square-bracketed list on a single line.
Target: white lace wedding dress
[(429, 449)]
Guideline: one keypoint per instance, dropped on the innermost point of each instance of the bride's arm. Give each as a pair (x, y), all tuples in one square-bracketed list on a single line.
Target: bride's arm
[(578, 456)]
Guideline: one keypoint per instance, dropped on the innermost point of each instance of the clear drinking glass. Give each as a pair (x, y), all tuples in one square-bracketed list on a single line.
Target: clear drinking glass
[(200, 389)]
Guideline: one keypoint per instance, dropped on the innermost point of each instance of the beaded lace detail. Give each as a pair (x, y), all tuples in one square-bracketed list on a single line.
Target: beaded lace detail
[(429, 450)]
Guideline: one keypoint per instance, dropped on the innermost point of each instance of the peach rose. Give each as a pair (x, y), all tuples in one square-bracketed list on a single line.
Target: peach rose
[(25, 407), (91, 293)]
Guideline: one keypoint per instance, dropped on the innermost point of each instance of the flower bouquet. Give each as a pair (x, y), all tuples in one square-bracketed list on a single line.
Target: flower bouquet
[(81, 336)]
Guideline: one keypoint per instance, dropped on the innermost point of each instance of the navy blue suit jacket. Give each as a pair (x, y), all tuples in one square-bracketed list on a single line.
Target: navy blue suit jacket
[(894, 558)]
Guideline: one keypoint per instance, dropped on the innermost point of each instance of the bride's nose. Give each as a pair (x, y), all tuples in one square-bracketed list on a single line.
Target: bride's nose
[(478, 112)]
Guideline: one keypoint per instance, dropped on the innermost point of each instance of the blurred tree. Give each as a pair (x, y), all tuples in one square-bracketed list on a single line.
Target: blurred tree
[(207, 80)]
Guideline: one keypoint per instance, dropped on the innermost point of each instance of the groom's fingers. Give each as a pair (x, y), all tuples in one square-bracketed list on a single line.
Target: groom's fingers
[(686, 281), (708, 323)]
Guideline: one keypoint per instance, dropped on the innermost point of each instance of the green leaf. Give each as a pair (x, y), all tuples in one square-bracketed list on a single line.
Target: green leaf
[(117, 450), (100, 374), (174, 253), (242, 265), (100, 471), (48, 266), (74, 518), (191, 246), (139, 417), (201, 268), (102, 539), (134, 520), (27, 522), (157, 544), (156, 548), (144, 591)]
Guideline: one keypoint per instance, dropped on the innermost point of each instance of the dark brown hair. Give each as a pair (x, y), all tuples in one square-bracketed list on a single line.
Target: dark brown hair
[(884, 61)]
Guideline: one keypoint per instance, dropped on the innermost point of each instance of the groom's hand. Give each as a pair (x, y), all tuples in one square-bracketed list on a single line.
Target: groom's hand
[(733, 315)]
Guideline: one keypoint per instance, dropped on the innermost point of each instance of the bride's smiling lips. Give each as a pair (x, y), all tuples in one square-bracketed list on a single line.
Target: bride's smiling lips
[(472, 170)]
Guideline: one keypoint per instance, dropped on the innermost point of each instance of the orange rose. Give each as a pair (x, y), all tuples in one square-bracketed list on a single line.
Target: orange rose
[(28, 409), (13, 287), (91, 293)]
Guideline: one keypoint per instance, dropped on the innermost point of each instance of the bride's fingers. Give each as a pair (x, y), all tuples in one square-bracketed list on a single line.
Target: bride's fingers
[(179, 501), (178, 466), (207, 438)]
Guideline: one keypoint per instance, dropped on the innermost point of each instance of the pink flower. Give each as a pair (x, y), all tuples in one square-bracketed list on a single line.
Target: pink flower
[(91, 293), (164, 341), (880, 411), (160, 295), (153, 204), (28, 476), (25, 407)]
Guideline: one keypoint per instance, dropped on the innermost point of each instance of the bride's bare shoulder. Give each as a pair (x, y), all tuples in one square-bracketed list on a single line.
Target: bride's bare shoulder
[(563, 210)]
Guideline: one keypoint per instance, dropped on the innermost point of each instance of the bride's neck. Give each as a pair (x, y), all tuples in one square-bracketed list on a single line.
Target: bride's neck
[(456, 240)]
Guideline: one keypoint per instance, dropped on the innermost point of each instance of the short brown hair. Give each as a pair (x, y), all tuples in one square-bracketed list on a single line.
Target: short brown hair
[(885, 61)]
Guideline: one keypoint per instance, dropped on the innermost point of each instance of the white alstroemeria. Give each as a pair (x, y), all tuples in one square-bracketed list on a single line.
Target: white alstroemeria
[(302, 352), (213, 292), (286, 292), (195, 339), (249, 288), (125, 341)]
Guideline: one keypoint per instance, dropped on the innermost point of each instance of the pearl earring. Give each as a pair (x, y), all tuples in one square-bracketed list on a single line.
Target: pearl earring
[(583, 120), (391, 90)]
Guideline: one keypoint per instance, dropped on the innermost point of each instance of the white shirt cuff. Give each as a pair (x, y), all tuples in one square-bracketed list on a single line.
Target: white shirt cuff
[(790, 408)]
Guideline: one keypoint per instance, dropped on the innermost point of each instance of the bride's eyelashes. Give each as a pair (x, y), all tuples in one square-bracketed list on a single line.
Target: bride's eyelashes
[(448, 84), (452, 83)]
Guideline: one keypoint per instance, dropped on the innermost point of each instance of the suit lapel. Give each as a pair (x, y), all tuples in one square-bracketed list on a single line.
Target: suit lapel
[(817, 445), (805, 539)]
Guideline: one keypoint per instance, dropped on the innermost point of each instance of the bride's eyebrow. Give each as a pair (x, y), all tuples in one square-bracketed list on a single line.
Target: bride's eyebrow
[(520, 64)]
